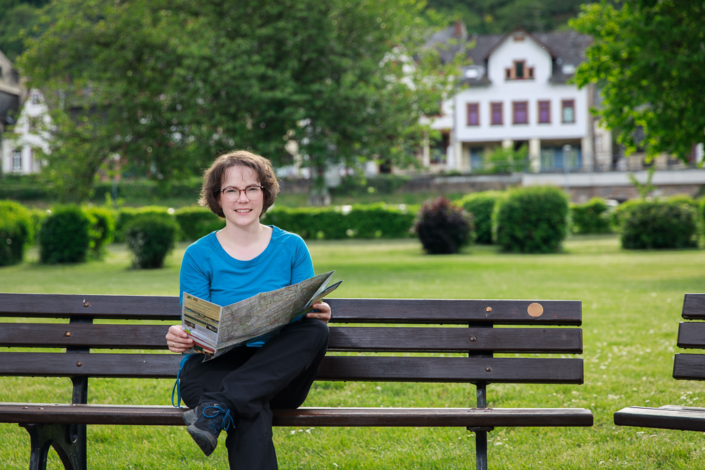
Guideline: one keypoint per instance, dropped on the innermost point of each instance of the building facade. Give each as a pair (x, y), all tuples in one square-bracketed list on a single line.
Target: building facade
[(516, 92), (21, 145)]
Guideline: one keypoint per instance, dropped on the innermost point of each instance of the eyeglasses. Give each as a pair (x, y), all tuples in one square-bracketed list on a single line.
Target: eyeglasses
[(233, 194)]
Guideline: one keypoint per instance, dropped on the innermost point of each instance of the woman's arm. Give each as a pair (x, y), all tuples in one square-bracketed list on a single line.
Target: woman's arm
[(193, 280)]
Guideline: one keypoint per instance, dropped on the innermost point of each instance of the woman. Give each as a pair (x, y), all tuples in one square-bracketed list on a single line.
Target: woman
[(237, 391)]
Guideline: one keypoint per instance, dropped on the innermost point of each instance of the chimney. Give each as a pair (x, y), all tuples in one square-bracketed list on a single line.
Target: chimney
[(459, 30)]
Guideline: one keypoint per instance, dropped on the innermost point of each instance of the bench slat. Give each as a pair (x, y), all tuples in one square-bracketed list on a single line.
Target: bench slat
[(689, 366), (552, 312), (694, 307), (383, 369), (691, 335), (665, 417), (537, 340), (416, 417)]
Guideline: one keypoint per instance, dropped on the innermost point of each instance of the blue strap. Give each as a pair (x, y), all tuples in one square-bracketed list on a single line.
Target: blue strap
[(225, 422), (177, 386)]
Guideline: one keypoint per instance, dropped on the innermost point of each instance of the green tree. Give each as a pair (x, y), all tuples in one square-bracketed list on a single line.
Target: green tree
[(168, 85), (19, 19), (648, 57)]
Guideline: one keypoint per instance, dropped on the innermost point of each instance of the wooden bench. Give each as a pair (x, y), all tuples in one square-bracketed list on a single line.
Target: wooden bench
[(63, 426), (691, 335)]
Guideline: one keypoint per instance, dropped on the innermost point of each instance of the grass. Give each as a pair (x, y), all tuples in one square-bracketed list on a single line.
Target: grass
[(631, 309)]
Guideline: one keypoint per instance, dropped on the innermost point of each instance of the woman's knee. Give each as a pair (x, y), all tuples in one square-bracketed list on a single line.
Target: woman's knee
[(319, 332)]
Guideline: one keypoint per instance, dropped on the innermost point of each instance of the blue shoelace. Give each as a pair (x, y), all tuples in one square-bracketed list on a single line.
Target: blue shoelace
[(225, 422)]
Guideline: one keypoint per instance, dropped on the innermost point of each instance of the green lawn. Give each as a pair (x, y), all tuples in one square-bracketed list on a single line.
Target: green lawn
[(631, 309)]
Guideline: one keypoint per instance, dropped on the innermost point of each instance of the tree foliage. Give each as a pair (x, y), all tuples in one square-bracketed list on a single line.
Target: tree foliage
[(168, 84), (500, 16), (649, 59)]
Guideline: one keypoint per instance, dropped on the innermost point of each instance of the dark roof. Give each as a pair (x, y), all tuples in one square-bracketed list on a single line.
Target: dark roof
[(566, 47), (8, 102)]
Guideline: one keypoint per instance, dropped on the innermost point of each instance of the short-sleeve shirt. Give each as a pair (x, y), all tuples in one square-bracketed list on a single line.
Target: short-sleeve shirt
[(210, 273)]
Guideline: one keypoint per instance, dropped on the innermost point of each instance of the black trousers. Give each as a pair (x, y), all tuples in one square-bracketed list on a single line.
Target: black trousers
[(252, 382)]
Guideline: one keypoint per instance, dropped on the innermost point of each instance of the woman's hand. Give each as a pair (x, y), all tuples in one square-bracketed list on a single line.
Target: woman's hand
[(178, 341), (321, 311)]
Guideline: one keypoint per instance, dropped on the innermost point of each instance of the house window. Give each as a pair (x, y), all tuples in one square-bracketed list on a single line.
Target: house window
[(519, 71), (17, 160), (496, 114), (544, 112), (35, 98), (473, 114), (568, 111), (520, 112)]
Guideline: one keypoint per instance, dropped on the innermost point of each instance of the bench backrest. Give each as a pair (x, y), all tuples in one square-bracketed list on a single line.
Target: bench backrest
[(410, 326), (691, 335)]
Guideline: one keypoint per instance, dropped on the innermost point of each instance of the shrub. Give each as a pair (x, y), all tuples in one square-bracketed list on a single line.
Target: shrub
[(127, 214), (102, 229), (196, 222), (591, 217), (340, 222), (442, 227), (38, 216), (16, 232), (531, 220), (64, 236), (481, 206), (658, 224), (151, 239)]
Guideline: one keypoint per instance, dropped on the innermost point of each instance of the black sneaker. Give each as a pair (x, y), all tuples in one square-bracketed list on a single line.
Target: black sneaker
[(211, 419)]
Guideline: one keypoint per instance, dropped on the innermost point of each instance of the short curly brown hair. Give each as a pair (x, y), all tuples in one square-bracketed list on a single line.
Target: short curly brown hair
[(214, 176)]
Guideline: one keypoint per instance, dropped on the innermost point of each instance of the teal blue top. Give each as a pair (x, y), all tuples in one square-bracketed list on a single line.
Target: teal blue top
[(210, 273)]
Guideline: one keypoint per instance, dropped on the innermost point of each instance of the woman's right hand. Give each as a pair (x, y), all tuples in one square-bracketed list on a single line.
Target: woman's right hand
[(177, 340)]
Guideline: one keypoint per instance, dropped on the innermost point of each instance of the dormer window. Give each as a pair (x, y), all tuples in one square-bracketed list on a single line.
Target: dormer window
[(35, 98), (519, 71)]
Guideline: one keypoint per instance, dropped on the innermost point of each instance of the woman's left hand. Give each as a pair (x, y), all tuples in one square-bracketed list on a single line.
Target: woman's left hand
[(321, 311)]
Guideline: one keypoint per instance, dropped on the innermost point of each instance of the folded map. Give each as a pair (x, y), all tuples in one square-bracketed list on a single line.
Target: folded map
[(215, 329)]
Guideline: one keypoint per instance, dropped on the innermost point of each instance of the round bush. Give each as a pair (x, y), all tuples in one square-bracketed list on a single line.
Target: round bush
[(127, 214), (591, 217), (102, 229), (481, 206), (197, 222), (64, 236), (531, 220), (151, 239), (658, 224), (443, 228), (16, 232)]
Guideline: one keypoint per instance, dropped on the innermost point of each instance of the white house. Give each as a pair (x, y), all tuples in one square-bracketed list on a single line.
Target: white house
[(10, 93), (26, 136), (516, 92)]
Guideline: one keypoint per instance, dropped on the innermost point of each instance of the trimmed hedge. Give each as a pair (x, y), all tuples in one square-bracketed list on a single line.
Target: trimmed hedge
[(65, 236), (127, 214), (481, 206), (150, 239), (102, 229), (16, 232), (197, 222), (658, 224), (340, 222), (531, 220), (591, 217), (443, 228)]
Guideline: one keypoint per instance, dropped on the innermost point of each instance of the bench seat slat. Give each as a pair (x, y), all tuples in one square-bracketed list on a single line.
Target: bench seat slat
[(417, 417), (553, 312), (665, 417), (694, 307), (689, 366), (691, 335), (383, 369), (381, 339)]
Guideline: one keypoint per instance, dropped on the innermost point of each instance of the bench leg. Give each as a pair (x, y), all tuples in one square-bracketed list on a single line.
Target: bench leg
[(69, 441)]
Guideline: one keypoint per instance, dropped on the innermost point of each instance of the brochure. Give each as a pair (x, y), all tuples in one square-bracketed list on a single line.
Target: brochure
[(216, 329)]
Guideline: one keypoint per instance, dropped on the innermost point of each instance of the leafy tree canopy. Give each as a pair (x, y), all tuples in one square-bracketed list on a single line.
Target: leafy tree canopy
[(169, 84), (501, 16), (19, 19), (649, 59)]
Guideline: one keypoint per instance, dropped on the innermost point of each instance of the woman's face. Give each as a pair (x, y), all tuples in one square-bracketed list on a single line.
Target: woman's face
[(241, 208)]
